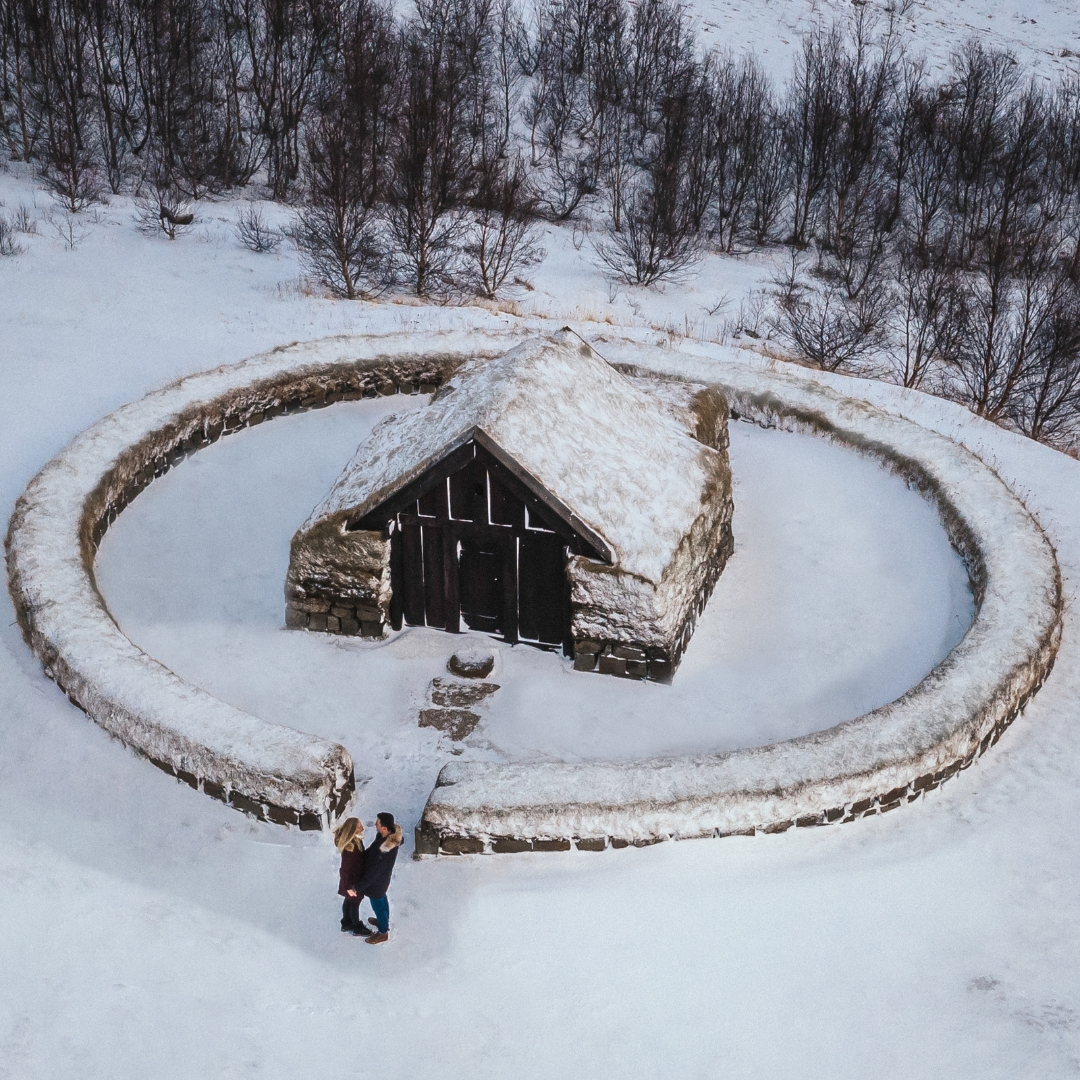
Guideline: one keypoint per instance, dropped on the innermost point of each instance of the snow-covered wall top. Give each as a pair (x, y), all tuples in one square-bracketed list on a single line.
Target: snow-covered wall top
[(619, 461), (877, 760), (865, 765)]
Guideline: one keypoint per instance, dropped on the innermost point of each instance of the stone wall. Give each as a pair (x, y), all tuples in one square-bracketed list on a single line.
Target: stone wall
[(866, 766), (872, 764), (656, 664), (289, 778)]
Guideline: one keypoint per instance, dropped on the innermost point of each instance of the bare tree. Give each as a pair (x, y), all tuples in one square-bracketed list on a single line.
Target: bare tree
[(432, 168), (823, 324), (501, 239)]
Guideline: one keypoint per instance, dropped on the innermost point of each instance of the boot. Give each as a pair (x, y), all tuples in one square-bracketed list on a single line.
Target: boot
[(377, 938)]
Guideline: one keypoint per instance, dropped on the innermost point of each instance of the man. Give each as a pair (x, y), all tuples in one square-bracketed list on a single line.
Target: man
[(379, 862)]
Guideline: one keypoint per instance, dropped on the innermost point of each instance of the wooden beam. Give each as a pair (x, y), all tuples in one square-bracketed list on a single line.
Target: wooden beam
[(508, 617), (455, 458), (451, 592)]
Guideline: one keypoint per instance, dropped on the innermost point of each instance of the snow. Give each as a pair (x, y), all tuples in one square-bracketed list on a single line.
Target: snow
[(149, 931), (963, 703), (1043, 34), (616, 460), (842, 593)]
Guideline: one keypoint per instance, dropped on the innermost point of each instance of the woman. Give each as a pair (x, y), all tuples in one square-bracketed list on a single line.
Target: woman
[(349, 840)]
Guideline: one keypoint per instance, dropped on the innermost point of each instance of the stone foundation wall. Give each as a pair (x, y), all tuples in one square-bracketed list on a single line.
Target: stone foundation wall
[(656, 664), (332, 615)]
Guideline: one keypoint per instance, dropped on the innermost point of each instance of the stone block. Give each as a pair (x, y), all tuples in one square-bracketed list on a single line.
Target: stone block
[(948, 771), (587, 646), (316, 622), (426, 840), (638, 668), (282, 815), (777, 827), (341, 612), (648, 841), (861, 806), (660, 670), (457, 723), (612, 665), (618, 842), (835, 814), (551, 845), (461, 845), (189, 778), (368, 612), (310, 822), (248, 806), (371, 629), (215, 791), (808, 821), (312, 605), (591, 843), (585, 662), (472, 663), (164, 766), (629, 652), (895, 795), (451, 693), (333, 624), (350, 626), (294, 619), (428, 387), (923, 782), (506, 845)]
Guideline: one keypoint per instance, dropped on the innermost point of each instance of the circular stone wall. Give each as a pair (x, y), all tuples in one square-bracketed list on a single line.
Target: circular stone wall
[(867, 765)]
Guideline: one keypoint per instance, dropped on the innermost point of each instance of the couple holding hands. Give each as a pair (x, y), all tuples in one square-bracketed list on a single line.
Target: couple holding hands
[(366, 872)]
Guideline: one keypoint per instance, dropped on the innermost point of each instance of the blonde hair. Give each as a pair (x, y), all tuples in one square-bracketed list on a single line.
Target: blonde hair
[(348, 833)]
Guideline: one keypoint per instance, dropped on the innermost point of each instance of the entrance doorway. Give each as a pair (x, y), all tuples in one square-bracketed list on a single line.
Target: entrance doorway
[(470, 551)]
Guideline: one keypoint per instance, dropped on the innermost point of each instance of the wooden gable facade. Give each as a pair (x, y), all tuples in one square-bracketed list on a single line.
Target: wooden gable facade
[(477, 541)]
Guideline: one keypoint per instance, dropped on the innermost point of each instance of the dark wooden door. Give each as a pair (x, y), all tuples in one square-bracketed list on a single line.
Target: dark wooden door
[(480, 584), (543, 588), (471, 550)]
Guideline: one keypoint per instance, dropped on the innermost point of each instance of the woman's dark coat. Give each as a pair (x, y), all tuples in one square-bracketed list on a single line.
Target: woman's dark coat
[(379, 862), (352, 870)]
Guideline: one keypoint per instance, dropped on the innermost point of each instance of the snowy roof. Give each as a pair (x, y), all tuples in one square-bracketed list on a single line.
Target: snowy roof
[(613, 455)]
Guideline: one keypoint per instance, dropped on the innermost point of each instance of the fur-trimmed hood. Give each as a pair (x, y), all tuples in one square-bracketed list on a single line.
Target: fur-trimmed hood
[(393, 840)]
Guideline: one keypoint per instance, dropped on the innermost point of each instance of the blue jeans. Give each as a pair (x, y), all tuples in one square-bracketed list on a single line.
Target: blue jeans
[(381, 907)]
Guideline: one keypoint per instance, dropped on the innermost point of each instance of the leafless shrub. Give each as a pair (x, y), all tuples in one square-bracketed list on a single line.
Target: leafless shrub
[(652, 246), (70, 227), (22, 221), (253, 231), (823, 324), (8, 243), (162, 209)]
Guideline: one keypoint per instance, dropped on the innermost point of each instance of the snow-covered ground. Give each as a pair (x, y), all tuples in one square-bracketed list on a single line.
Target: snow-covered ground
[(1042, 34), (843, 592), (147, 931)]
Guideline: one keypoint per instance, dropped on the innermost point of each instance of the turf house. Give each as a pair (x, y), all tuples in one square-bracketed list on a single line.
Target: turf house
[(542, 496)]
